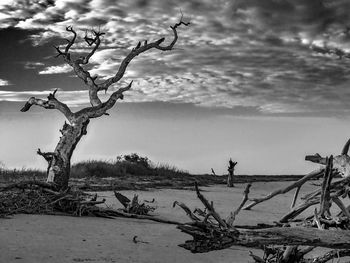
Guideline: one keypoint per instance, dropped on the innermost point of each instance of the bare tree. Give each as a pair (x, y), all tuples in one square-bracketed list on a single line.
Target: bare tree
[(230, 169), (59, 161)]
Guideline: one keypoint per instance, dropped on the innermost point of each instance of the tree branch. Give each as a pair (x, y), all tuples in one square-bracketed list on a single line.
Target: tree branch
[(233, 215), (137, 51), (50, 103), (299, 183), (66, 54), (211, 210), (82, 73), (346, 148), (316, 158), (46, 155), (98, 111), (90, 41)]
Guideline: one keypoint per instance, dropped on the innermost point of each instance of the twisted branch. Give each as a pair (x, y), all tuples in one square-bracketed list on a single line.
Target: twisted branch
[(50, 103), (137, 51), (98, 111)]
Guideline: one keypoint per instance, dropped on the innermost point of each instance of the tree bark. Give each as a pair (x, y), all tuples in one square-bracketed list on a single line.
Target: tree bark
[(59, 163), (230, 179)]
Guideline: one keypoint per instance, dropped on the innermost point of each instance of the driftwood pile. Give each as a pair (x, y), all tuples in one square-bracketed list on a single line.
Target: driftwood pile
[(35, 197), (291, 238), (133, 206)]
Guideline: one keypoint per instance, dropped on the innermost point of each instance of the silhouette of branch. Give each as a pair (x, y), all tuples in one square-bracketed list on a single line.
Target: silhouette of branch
[(140, 48), (50, 103), (98, 111), (90, 41)]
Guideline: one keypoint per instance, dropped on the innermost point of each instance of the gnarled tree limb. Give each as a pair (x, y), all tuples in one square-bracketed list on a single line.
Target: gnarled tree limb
[(137, 51), (98, 111), (50, 103), (233, 215)]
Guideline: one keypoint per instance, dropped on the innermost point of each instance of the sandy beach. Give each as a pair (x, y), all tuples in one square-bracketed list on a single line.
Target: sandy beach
[(42, 238)]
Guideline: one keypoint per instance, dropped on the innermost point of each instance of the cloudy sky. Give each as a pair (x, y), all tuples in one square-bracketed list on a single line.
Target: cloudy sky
[(263, 82)]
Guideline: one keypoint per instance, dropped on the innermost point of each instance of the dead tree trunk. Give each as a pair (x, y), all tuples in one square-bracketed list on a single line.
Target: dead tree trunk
[(59, 161), (59, 165), (231, 170)]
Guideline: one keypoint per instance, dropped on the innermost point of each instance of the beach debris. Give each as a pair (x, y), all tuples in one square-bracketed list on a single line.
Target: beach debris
[(290, 239), (135, 240), (133, 206), (151, 202)]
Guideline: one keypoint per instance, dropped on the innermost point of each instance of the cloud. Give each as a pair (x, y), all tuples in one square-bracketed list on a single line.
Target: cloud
[(56, 69), (33, 65), (236, 54), (4, 82), (72, 98)]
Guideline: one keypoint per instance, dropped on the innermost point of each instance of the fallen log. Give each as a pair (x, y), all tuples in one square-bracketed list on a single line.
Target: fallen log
[(208, 238)]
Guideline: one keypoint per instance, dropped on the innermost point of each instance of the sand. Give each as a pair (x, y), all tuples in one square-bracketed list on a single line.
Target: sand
[(42, 238)]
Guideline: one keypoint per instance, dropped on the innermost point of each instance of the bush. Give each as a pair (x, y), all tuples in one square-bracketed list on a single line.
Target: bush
[(135, 158)]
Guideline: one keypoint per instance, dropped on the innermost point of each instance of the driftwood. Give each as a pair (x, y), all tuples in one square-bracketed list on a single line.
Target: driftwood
[(34, 197), (340, 165), (133, 206), (336, 190), (313, 175), (208, 238), (319, 230), (214, 236)]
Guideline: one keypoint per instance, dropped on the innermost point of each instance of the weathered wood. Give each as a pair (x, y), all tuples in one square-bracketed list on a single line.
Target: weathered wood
[(232, 217), (297, 210), (187, 210), (325, 202), (313, 175), (59, 166), (336, 189), (336, 253), (345, 149), (230, 175), (206, 238), (122, 199), (210, 208), (316, 158), (295, 197)]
